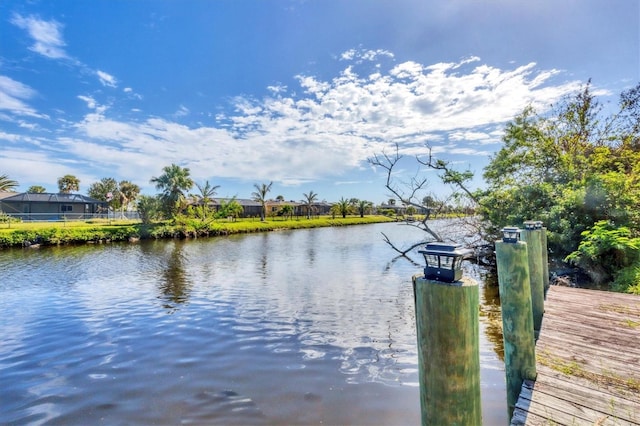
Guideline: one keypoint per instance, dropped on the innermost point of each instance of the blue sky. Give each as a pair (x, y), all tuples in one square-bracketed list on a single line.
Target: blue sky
[(300, 93)]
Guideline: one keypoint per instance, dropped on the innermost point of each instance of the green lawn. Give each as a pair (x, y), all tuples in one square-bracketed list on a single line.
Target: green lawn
[(16, 234)]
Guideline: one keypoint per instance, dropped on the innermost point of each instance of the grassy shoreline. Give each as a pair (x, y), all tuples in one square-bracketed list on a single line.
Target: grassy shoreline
[(67, 233)]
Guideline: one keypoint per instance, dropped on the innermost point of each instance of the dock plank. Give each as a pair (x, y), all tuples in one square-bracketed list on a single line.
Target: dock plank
[(588, 358)]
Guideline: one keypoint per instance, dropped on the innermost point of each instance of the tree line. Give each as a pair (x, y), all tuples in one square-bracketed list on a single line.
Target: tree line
[(175, 202)]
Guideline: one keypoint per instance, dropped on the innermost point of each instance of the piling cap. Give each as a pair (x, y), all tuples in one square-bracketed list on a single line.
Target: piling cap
[(444, 261), (532, 224), (510, 234)]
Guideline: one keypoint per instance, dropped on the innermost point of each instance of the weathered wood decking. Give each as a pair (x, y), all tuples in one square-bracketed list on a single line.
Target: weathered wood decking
[(588, 361)]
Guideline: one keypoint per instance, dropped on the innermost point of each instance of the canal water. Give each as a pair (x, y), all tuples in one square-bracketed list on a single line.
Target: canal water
[(289, 327)]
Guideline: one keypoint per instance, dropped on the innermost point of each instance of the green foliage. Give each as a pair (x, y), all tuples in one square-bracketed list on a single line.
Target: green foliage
[(286, 211), (173, 183), (627, 280), (36, 189), (56, 235), (5, 218), (68, 183), (181, 227), (343, 207), (572, 169), (149, 208), (387, 212), (7, 184), (364, 207), (230, 208), (609, 252)]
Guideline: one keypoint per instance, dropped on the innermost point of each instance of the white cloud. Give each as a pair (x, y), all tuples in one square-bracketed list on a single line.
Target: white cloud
[(92, 104), (47, 35), (327, 129), (365, 55), (339, 124), (182, 111), (13, 95), (106, 79)]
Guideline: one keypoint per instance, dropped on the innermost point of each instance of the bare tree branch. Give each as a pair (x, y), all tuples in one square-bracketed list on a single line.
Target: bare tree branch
[(449, 176), (388, 162)]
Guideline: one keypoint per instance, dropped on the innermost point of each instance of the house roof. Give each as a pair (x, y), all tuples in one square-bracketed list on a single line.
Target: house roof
[(51, 198), (245, 202), (4, 195)]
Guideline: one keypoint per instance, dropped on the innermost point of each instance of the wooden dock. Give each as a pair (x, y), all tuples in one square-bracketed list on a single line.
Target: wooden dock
[(587, 359)]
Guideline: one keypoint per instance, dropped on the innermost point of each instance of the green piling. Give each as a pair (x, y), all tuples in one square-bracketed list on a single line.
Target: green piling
[(448, 351), (545, 257), (517, 317), (531, 234)]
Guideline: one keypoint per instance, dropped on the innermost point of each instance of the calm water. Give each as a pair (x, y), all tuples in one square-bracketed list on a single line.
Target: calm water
[(295, 327)]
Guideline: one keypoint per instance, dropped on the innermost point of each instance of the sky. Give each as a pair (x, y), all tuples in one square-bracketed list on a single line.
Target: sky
[(299, 93)]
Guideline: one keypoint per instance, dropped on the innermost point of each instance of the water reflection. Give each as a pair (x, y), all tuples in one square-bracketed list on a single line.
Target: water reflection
[(490, 310), (174, 286)]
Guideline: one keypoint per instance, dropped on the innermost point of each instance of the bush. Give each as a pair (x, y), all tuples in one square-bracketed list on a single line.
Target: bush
[(609, 253)]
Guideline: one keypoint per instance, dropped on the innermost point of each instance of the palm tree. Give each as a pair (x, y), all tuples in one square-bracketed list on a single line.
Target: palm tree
[(68, 183), (287, 211), (364, 206), (128, 192), (7, 184), (309, 199), (207, 192), (343, 207), (173, 183), (36, 189), (260, 195)]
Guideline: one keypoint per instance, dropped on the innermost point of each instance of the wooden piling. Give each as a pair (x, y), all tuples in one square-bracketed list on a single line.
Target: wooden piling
[(545, 258), (532, 235), (448, 351), (517, 317)]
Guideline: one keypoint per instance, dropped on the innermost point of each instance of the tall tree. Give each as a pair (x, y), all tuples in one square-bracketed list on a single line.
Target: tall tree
[(309, 199), (7, 184), (260, 196), (68, 184), (173, 182), (36, 189), (105, 190), (207, 192), (101, 190), (127, 194), (364, 207)]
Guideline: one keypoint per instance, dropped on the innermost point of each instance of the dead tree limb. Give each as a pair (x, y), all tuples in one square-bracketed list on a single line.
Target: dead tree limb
[(388, 162)]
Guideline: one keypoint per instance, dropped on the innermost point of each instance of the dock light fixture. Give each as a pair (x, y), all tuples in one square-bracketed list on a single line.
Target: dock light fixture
[(510, 234), (444, 261)]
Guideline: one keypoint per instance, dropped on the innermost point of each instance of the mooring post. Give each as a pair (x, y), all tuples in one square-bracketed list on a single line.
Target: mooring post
[(545, 257), (517, 315), (447, 307), (532, 235)]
